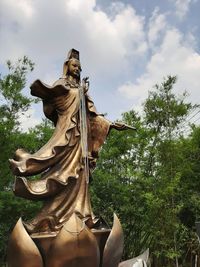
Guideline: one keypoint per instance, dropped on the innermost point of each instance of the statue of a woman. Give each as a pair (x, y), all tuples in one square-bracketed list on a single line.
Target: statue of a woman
[(66, 161)]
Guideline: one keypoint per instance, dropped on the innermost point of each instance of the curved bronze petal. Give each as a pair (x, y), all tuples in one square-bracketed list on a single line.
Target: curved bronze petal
[(74, 246), (22, 251), (114, 246)]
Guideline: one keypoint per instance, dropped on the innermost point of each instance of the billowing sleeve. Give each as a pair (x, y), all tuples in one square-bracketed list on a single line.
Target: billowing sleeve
[(47, 94)]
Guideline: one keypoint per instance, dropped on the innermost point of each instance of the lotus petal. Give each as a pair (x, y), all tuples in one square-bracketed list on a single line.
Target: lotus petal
[(114, 246), (74, 246), (22, 250)]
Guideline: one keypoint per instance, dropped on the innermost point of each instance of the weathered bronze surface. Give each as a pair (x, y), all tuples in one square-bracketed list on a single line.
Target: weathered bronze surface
[(65, 232)]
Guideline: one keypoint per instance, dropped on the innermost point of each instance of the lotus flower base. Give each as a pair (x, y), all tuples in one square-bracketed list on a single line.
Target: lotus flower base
[(75, 245)]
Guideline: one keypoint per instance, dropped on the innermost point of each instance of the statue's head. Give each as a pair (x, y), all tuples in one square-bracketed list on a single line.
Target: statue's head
[(72, 66)]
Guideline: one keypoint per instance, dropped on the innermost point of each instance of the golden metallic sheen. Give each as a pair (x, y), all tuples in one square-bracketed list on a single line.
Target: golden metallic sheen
[(65, 232)]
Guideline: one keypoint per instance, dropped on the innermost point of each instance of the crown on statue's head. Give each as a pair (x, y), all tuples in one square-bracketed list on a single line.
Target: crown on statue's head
[(73, 54)]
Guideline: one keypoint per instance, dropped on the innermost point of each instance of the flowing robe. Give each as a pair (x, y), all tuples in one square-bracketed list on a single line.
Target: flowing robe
[(63, 185)]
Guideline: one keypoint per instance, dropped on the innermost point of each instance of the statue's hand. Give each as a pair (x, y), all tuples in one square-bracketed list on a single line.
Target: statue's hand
[(85, 84), (121, 126)]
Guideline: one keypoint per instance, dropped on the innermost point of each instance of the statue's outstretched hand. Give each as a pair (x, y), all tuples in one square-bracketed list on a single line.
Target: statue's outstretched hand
[(121, 126)]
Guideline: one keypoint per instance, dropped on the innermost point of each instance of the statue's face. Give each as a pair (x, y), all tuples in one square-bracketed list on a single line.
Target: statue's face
[(74, 68)]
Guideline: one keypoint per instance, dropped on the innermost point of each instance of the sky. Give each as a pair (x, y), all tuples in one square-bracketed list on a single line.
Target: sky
[(126, 47)]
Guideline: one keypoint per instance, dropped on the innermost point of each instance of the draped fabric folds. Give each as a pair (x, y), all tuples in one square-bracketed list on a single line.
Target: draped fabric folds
[(62, 185)]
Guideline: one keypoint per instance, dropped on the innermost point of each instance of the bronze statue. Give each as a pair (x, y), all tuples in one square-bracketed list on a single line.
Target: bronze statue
[(65, 232)]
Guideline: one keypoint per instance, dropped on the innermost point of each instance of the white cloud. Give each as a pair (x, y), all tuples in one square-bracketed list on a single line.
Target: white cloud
[(182, 7), (25, 6), (112, 44), (17, 11), (156, 27), (174, 57), (109, 43), (46, 31)]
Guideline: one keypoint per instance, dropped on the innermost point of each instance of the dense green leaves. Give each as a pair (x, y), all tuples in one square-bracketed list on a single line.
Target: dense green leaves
[(146, 177), (12, 104)]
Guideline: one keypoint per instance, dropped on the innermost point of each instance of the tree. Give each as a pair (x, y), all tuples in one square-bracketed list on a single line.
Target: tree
[(164, 114), (139, 176), (12, 104)]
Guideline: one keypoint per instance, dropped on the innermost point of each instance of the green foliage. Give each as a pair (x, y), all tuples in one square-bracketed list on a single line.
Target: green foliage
[(12, 104), (143, 177), (164, 111)]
